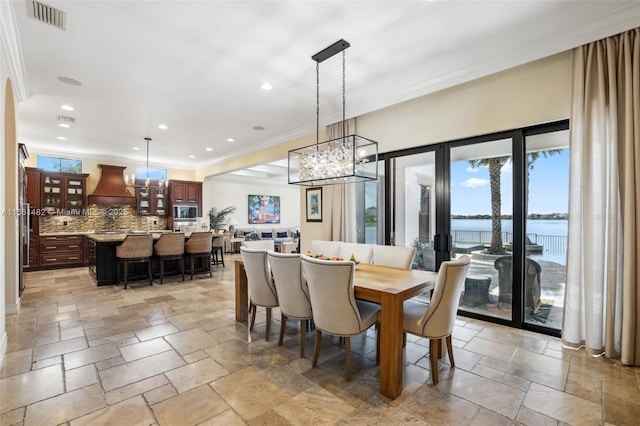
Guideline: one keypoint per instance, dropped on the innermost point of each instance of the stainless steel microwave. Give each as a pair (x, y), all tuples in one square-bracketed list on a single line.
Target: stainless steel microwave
[(182, 211)]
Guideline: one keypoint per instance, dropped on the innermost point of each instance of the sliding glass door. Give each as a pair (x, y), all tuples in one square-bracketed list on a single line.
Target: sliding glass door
[(481, 187), (500, 199)]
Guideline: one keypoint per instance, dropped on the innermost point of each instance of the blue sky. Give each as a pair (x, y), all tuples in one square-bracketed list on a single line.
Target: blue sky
[(549, 187)]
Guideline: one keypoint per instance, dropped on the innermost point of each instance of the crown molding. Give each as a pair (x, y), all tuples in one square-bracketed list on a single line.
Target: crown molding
[(13, 50)]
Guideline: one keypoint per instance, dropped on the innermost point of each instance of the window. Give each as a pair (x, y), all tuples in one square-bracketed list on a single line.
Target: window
[(154, 174), (55, 164)]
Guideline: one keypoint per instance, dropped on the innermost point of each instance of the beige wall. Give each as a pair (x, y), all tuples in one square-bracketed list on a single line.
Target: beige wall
[(534, 93)]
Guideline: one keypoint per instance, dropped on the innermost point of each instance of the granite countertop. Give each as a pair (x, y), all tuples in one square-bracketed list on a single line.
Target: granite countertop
[(119, 237)]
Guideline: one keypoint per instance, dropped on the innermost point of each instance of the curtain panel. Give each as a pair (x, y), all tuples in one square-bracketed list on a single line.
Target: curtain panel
[(339, 200), (602, 297)]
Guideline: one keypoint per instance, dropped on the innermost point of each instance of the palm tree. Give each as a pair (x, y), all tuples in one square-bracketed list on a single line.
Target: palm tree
[(495, 166)]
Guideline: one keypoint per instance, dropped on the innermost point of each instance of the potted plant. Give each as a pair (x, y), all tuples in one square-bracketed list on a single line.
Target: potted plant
[(217, 218)]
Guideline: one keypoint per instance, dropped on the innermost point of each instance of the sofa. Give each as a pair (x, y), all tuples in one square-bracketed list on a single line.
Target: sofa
[(276, 234)]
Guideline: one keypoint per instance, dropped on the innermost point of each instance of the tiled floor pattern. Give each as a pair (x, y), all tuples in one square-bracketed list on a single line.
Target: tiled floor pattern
[(172, 354)]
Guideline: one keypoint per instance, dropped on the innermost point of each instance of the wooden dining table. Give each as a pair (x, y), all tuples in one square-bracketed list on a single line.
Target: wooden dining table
[(384, 285)]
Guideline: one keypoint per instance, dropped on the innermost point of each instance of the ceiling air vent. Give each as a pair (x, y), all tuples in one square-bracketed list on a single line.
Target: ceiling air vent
[(66, 119), (47, 14)]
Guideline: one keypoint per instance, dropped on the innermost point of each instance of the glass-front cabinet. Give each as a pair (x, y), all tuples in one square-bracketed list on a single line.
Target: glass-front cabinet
[(63, 192), (151, 201)]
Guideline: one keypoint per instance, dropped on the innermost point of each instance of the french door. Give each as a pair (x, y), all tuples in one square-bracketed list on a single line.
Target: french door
[(500, 199)]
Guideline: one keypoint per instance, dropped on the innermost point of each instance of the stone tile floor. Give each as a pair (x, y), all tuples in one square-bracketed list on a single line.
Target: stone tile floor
[(173, 354)]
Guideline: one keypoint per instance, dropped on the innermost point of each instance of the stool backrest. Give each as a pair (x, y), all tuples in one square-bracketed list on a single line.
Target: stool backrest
[(198, 242), (135, 246), (169, 245)]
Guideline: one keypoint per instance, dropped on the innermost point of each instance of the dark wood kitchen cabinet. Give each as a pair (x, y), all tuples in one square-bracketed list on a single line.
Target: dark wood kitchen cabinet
[(62, 251), (151, 201), (185, 192), (63, 192)]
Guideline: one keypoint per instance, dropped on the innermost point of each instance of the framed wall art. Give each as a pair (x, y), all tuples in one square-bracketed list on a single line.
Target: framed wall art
[(264, 209), (314, 204)]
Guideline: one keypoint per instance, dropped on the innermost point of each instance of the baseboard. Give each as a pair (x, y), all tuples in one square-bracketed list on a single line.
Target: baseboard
[(13, 309), (3, 345)]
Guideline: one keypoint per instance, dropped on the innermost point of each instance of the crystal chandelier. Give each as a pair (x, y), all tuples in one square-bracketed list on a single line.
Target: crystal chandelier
[(130, 181), (347, 159)]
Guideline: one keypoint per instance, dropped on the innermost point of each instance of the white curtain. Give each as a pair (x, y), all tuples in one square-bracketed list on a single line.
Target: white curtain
[(602, 297), (339, 200)]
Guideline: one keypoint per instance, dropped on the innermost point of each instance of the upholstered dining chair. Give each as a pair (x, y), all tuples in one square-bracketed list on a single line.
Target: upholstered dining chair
[(326, 248), (435, 320), (199, 245), (259, 244), (262, 292), (395, 256), (292, 290), (134, 249), (361, 252), (169, 247), (335, 308)]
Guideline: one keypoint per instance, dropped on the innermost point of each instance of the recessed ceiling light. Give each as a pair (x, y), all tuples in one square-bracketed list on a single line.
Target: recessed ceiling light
[(135, 148), (192, 156), (61, 138), (266, 86), (65, 125), (162, 127), (209, 149), (70, 81), (66, 107), (231, 140), (258, 128)]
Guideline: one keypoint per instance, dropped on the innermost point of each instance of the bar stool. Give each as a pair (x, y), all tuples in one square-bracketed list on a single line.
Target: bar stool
[(217, 246), (199, 245), (134, 249), (169, 247)]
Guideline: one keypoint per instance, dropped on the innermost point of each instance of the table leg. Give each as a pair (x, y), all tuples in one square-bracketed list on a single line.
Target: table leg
[(391, 345), (242, 293)]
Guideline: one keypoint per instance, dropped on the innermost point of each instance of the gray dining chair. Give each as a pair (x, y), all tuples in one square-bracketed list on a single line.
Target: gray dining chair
[(436, 320), (292, 290), (262, 291), (335, 308)]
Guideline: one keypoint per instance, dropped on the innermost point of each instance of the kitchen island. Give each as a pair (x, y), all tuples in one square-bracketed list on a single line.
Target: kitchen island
[(103, 264)]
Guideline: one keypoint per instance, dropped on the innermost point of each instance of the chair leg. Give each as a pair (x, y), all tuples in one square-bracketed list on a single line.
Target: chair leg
[(268, 331), (150, 273), (440, 349), (316, 349), (209, 265), (126, 272), (182, 267), (222, 256), (252, 309), (283, 323), (377, 344), (434, 348), (118, 262), (191, 263), (347, 349), (450, 351), (302, 337)]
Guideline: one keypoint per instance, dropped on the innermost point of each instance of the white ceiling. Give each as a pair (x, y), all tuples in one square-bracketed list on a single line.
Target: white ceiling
[(196, 66)]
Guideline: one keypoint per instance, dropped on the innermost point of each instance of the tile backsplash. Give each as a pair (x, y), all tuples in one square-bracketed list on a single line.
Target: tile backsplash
[(102, 218)]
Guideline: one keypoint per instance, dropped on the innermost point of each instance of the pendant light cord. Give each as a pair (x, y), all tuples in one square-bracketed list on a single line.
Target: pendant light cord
[(344, 96)]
